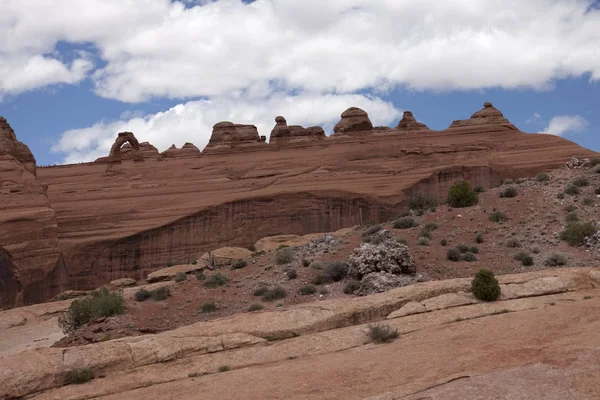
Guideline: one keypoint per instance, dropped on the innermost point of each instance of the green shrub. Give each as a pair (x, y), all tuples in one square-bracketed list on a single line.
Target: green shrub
[(575, 233), (142, 295), (474, 249), (461, 194), (284, 255), (238, 264), (180, 277), (588, 201), (527, 261), (571, 218), (216, 280), (423, 241), (444, 242), (336, 271), (200, 275), (485, 286), (509, 192), (274, 294), (351, 286), (430, 226), (556, 259), (453, 254), (305, 262), (405, 223), (255, 307), (469, 257), (542, 177), (560, 196), (594, 161), (371, 230), (373, 239), (307, 290), (498, 216), (260, 291), (170, 264), (597, 169), (572, 190), (513, 242), (582, 181), (101, 303), (208, 307), (597, 191), (161, 293), (479, 238), (382, 333), (570, 208), (321, 279), (316, 265), (77, 376), (508, 182), (520, 255), (479, 189), (420, 201)]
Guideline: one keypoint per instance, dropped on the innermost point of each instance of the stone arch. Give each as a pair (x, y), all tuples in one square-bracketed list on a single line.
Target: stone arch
[(115, 152)]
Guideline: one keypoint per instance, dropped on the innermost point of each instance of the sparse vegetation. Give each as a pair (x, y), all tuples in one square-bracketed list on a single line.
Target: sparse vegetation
[(142, 295), (420, 201), (238, 264), (597, 169), (525, 258), (582, 181), (284, 255), (575, 233), (255, 307), (461, 194), (556, 259), (200, 275), (291, 274), (588, 201), (208, 307), (485, 286), (321, 279), (508, 182), (77, 376), (405, 223), (462, 253), (371, 230), (351, 286), (382, 333), (560, 196), (571, 218), (542, 177), (479, 189), (316, 265), (307, 290), (305, 262), (274, 294), (101, 303), (572, 190), (423, 241), (469, 257), (479, 238), (498, 216), (453, 254), (597, 191), (336, 271), (224, 368), (444, 242), (260, 291), (509, 192), (180, 277), (160, 294), (215, 280), (570, 208), (513, 243)]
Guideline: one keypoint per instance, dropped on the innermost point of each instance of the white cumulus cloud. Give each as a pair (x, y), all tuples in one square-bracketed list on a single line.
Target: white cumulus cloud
[(193, 121), (561, 124)]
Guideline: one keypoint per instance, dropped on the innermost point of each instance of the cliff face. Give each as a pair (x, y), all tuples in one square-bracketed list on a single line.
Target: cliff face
[(145, 215)]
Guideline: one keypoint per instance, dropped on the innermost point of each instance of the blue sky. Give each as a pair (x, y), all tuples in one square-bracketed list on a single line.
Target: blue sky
[(168, 71)]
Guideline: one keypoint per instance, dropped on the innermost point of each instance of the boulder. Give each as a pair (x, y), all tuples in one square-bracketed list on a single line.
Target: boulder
[(388, 256), (10, 145), (223, 257), (409, 123), (282, 133), (227, 135), (488, 115), (536, 287), (169, 273), (121, 283), (379, 282), (188, 150), (353, 120)]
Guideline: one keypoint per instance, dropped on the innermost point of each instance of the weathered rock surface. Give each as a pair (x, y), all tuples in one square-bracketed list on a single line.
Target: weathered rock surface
[(136, 222), (379, 282), (283, 134), (28, 227), (227, 135), (488, 115), (409, 123), (11, 289), (10, 145), (133, 149), (223, 256), (127, 152), (270, 243), (188, 150), (169, 273), (353, 120)]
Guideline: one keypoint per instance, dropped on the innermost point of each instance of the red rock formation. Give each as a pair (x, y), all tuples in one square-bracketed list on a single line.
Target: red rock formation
[(122, 138), (28, 226), (10, 145), (282, 133), (10, 281), (353, 120), (409, 123), (188, 150), (489, 115), (128, 152), (227, 135)]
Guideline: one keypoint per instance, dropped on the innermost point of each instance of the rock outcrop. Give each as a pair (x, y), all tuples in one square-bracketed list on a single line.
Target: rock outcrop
[(28, 226), (353, 120), (146, 151), (10, 281), (188, 150), (227, 135), (134, 148), (10, 145), (282, 133), (488, 115), (409, 123)]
